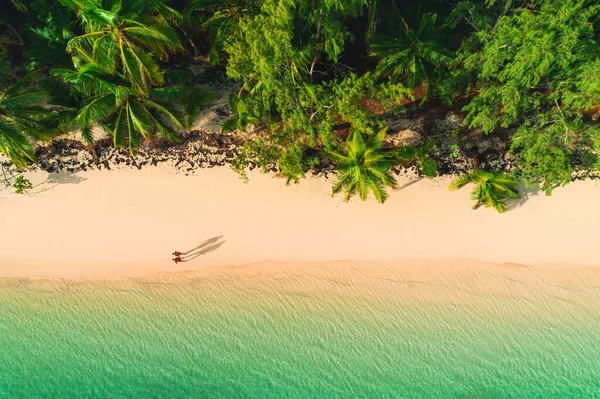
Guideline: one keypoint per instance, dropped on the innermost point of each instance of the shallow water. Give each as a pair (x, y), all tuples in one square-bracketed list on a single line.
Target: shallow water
[(306, 331)]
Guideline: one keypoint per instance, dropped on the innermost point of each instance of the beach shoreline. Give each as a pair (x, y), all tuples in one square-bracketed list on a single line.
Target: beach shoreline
[(128, 222)]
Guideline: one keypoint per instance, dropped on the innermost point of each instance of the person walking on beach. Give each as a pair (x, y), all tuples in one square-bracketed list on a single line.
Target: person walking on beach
[(205, 246)]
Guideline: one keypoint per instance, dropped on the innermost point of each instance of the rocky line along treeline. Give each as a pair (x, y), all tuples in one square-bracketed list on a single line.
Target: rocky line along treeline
[(459, 152), (201, 149)]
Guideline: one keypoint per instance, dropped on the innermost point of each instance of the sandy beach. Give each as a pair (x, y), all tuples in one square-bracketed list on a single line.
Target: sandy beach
[(128, 222), (291, 282)]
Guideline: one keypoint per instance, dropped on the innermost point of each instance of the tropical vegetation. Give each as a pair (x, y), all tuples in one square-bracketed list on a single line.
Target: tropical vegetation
[(493, 190), (317, 79), (22, 185), (363, 168)]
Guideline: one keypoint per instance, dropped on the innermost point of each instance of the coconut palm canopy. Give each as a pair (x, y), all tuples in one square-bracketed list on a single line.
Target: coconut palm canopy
[(124, 35), (363, 168), (23, 118), (491, 190), (415, 53), (128, 114)]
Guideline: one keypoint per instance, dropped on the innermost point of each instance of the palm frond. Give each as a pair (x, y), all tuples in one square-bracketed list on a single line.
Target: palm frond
[(229, 124), (120, 129), (337, 157), (165, 131), (342, 181), (460, 182), (177, 77), (404, 153), (15, 145), (428, 167), (147, 68), (22, 84), (491, 190), (378, 191), (96, 109), (155, 38), (163, 110), (140, 119), (22, 99), (87, 135)]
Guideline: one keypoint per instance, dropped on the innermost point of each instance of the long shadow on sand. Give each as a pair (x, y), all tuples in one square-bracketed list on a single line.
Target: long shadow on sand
[(203, 251), (205, 247)]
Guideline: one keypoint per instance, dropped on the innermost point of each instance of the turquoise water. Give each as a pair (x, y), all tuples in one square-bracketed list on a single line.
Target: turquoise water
[(469, 334)]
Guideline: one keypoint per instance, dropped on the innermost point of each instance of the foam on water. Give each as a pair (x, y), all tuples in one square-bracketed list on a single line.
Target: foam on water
[(318, 330)]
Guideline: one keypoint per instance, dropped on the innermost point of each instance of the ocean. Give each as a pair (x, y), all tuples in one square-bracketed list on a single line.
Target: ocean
[(321, 330)]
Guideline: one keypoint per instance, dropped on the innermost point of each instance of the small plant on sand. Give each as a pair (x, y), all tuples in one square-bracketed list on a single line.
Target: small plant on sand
[(363, 167), (493, 190), (21, 185)]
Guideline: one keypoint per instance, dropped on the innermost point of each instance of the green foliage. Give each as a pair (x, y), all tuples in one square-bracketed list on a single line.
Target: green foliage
[(48, 34), (21, 185), (455, 151), (192, 99), (416, 54), (123, 36), (116, 47), (363, 168), (312, 122), (4, 73), (311, 72), (275, 52), (534, 71), (125, 111), (222, 20), (421, 155), (491, 190), (544, 154), (242, 115), (22, 118)]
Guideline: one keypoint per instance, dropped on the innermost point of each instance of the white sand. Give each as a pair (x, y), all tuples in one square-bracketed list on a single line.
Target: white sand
[(126, 222)]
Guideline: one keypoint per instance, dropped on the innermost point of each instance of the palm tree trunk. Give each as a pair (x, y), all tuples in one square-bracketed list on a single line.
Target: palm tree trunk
[(475, 161)]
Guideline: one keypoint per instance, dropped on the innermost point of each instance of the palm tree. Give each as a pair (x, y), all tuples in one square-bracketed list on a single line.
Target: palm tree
[(363, 167), (129, 114), (492, 190), (122, 36), (242, 115), (415, 54), (23, 118), (420, 155), (381, 12)]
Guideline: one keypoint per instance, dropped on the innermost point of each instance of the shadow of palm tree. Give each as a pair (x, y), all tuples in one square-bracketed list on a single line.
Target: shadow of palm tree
[(55, 179), (64, 178), (205, 250), (526, 193), (410, 183)]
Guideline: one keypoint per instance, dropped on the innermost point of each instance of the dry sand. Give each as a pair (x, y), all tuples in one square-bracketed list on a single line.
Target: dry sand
[(127, 222)]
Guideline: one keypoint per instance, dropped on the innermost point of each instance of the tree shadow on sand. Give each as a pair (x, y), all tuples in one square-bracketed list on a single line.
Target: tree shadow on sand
[(410, 183), (526, 193), (205, 247), (64, 178), (55, 179)]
